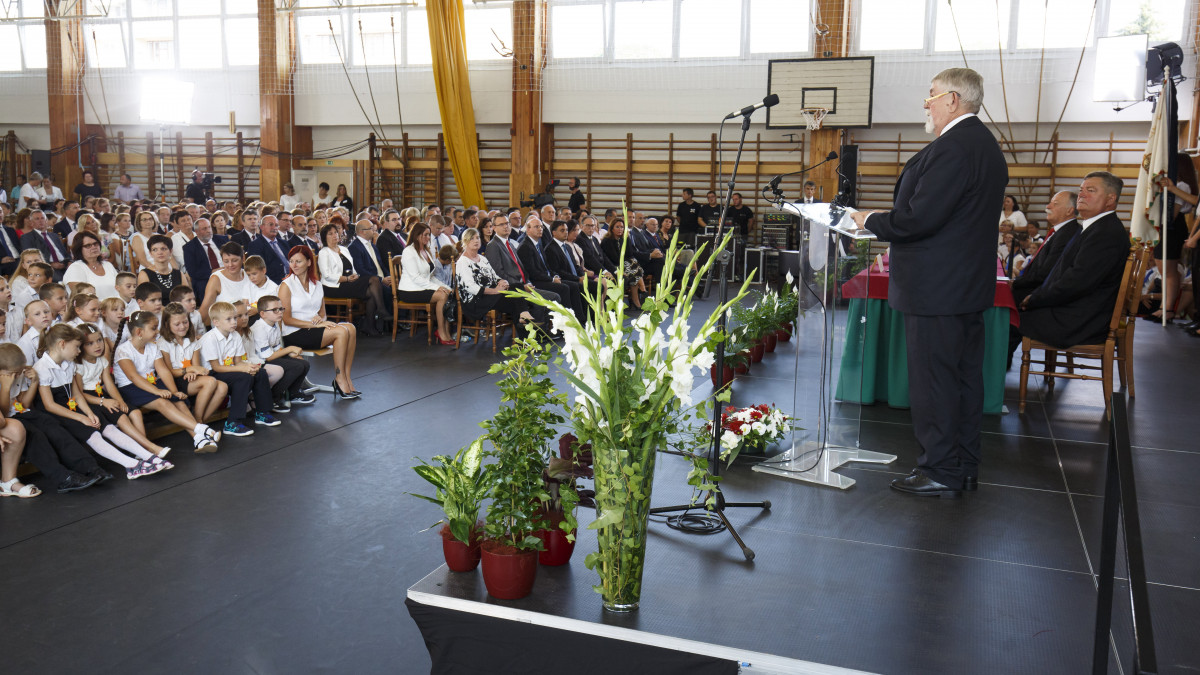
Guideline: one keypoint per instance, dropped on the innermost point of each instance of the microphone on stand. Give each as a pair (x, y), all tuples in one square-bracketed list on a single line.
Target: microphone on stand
[(766, 103), (774, 184)]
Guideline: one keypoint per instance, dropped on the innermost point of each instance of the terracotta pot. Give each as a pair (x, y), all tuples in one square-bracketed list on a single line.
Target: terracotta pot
[(782, 335), (508, 574), (756, 353), (727, 375), (769, 341), (556, 549), (743, 367), (459, 556)]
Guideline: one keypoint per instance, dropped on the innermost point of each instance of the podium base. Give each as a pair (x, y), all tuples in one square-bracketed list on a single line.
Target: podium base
[(805, 462)]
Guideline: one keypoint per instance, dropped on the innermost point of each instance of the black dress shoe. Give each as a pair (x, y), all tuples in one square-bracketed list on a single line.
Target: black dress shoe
[(970, 484), (1190, 326), (100, 475), (76, 481), (922, 486)]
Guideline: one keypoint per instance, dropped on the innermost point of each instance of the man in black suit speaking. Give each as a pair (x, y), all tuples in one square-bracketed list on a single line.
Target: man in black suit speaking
[(942, 230), (1075, 303)]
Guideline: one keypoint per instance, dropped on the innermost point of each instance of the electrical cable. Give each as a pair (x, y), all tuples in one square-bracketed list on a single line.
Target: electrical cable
[(1074, 79), (396, 76)]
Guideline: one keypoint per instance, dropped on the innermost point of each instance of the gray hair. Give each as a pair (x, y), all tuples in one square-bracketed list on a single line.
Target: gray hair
[(1073, 196), (1112, 184), (967, 83)]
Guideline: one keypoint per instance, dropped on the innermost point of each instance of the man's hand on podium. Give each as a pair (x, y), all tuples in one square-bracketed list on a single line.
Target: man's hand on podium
[(860, 217)]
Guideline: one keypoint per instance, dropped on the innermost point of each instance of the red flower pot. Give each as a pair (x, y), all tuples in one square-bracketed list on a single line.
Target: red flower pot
[(508, 573), (556, 549), (769, 341), (744, 366), (726, 375), (459, 556), (756, 353), (782, 335)]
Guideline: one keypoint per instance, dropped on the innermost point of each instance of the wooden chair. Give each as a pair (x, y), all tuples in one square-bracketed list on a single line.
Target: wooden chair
[(341, 310), (1106, 352), (492, 323), (414, 307), (1133, 301)]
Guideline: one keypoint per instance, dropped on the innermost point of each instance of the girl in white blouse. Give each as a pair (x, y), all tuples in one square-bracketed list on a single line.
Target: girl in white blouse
[(100, 390), (304, 324), (417, 283), (178, 343)]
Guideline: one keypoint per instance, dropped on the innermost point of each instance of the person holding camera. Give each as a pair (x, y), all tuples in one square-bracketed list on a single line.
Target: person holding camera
[(197, 192)]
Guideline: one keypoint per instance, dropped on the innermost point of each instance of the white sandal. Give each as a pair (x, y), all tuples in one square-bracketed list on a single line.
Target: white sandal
[(27, 490)]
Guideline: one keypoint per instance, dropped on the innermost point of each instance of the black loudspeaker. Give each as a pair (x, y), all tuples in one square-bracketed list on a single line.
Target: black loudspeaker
[(40, 161), (1166, 55), (848, 176)]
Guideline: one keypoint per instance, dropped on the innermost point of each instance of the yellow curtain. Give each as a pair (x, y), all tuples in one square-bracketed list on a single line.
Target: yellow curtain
[(447, 38)]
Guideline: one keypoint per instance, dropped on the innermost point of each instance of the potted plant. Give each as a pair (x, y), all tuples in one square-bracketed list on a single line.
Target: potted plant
[(519, 432), (767, 307), (788, 309), (461, 483), (750, 430), (750, 329), (632, 389), (726, 376), (558, 535)]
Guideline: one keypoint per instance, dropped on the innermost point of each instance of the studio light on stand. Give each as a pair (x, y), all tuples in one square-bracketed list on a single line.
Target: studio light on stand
[(165, 101)]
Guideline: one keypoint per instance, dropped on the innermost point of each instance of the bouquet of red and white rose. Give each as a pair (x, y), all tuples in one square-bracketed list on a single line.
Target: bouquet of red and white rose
[(753, 427)]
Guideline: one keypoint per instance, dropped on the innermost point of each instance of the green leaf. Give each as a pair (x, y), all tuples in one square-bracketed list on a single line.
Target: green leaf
[(609, 517)]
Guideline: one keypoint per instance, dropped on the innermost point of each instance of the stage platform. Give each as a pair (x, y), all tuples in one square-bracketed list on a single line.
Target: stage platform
[(293, 551)]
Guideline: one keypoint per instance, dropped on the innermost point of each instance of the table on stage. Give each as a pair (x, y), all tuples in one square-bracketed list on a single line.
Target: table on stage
[(879, 372)]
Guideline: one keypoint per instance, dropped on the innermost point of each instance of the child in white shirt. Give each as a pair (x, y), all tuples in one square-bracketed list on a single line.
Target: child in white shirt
[(267, 344), (224, 353), (177, 340)]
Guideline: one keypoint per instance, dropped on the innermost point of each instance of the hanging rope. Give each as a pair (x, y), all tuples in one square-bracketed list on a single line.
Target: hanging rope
[(1074, 79), (962, 50), (396, 75)]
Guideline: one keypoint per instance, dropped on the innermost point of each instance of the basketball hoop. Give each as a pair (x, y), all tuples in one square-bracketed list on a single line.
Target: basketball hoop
[(813, 117)]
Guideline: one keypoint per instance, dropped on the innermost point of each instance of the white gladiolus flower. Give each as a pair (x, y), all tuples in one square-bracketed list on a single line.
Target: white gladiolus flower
[(704, 360), (789, 278)]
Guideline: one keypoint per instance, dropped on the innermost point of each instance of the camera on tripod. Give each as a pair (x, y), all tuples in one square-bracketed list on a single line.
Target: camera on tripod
[(542, 198), (208, 180)]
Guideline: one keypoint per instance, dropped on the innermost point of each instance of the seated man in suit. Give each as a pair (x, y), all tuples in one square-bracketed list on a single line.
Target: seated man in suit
[(271, 249), (593, 258), (9, 250), (561, 261), (502, 255), (247, 229), (53, 250), (388, 242), (202, 255), (650, 259), (533, 259), (1060, 217), (365, 254), (1075, 302)]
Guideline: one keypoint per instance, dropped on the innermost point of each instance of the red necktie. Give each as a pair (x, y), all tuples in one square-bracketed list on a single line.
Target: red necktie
[(1044, 242), (514, 257), (50, 245), (212, 257)]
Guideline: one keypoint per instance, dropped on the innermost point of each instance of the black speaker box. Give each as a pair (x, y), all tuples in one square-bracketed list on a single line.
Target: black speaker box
[(848, 175), (40, 161)]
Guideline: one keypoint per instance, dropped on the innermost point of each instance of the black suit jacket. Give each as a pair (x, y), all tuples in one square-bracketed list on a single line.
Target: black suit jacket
[(942, 226), (64, 228), (6, 251), (195, 262), (276, 268), (1075, 302), (556, 261), (593, 258), (1037, 269), (242, 237), (389, 246), (34, 239), (534, 268)]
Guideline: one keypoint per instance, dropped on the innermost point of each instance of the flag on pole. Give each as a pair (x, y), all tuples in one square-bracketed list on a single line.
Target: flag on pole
[(1147, 201)]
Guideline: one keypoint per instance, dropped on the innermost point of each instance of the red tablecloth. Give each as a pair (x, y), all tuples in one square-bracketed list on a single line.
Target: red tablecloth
[(875, 287)]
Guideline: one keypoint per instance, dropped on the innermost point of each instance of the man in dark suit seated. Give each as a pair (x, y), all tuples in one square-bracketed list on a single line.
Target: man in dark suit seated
[(248, 229), (502, 256), (562, 263), (593, 258), (365, 255), (388, 242), (942, 230), (10, 249), (271, 249), (53, 250), (202, 255), (533, 259), (1075, 303), (1060, 217), (650, 259)]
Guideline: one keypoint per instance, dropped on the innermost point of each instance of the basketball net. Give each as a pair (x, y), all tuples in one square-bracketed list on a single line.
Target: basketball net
[(813, 117)]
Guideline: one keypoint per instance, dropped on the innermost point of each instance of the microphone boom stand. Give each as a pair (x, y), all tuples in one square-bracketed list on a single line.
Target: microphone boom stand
[(714, 463)]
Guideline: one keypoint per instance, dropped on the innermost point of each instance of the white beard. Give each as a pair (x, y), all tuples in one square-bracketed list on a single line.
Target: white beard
[(929, 129)]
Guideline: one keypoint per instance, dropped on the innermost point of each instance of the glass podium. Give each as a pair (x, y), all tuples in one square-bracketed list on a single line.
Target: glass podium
[(833, 263)]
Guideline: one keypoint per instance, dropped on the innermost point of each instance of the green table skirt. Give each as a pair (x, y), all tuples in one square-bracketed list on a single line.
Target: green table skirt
[(879, 371)]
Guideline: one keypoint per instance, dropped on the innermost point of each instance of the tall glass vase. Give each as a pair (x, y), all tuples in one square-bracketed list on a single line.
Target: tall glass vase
[(623, 484)]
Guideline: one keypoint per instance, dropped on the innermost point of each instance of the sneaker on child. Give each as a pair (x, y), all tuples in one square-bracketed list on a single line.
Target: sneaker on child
[(265, 420), (237, 429)]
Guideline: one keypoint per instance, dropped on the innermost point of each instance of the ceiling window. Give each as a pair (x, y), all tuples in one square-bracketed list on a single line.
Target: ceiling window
[(710, 28), (888, 25), (487, 28), (780, 26), (981, 25)]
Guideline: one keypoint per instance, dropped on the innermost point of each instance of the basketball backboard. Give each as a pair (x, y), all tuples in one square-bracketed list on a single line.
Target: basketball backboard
[(843, 86)]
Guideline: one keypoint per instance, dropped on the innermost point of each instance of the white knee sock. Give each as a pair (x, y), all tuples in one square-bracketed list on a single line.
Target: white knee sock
[(96, 442), (125, 442)]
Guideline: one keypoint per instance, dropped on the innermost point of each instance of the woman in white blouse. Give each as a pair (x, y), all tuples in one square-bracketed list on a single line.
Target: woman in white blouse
[(146, 227), (1012, 214), (417, 284), (288, 200), (304, 325), (89, 267), (228, 284)]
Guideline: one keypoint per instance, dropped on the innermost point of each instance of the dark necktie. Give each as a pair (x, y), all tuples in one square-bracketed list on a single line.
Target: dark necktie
[(53, 249), (514, 259), (570, 263), (213, 261), (278, 251)]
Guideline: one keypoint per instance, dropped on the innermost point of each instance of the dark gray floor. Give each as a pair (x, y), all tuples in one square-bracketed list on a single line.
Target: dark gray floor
[(291, 551)]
